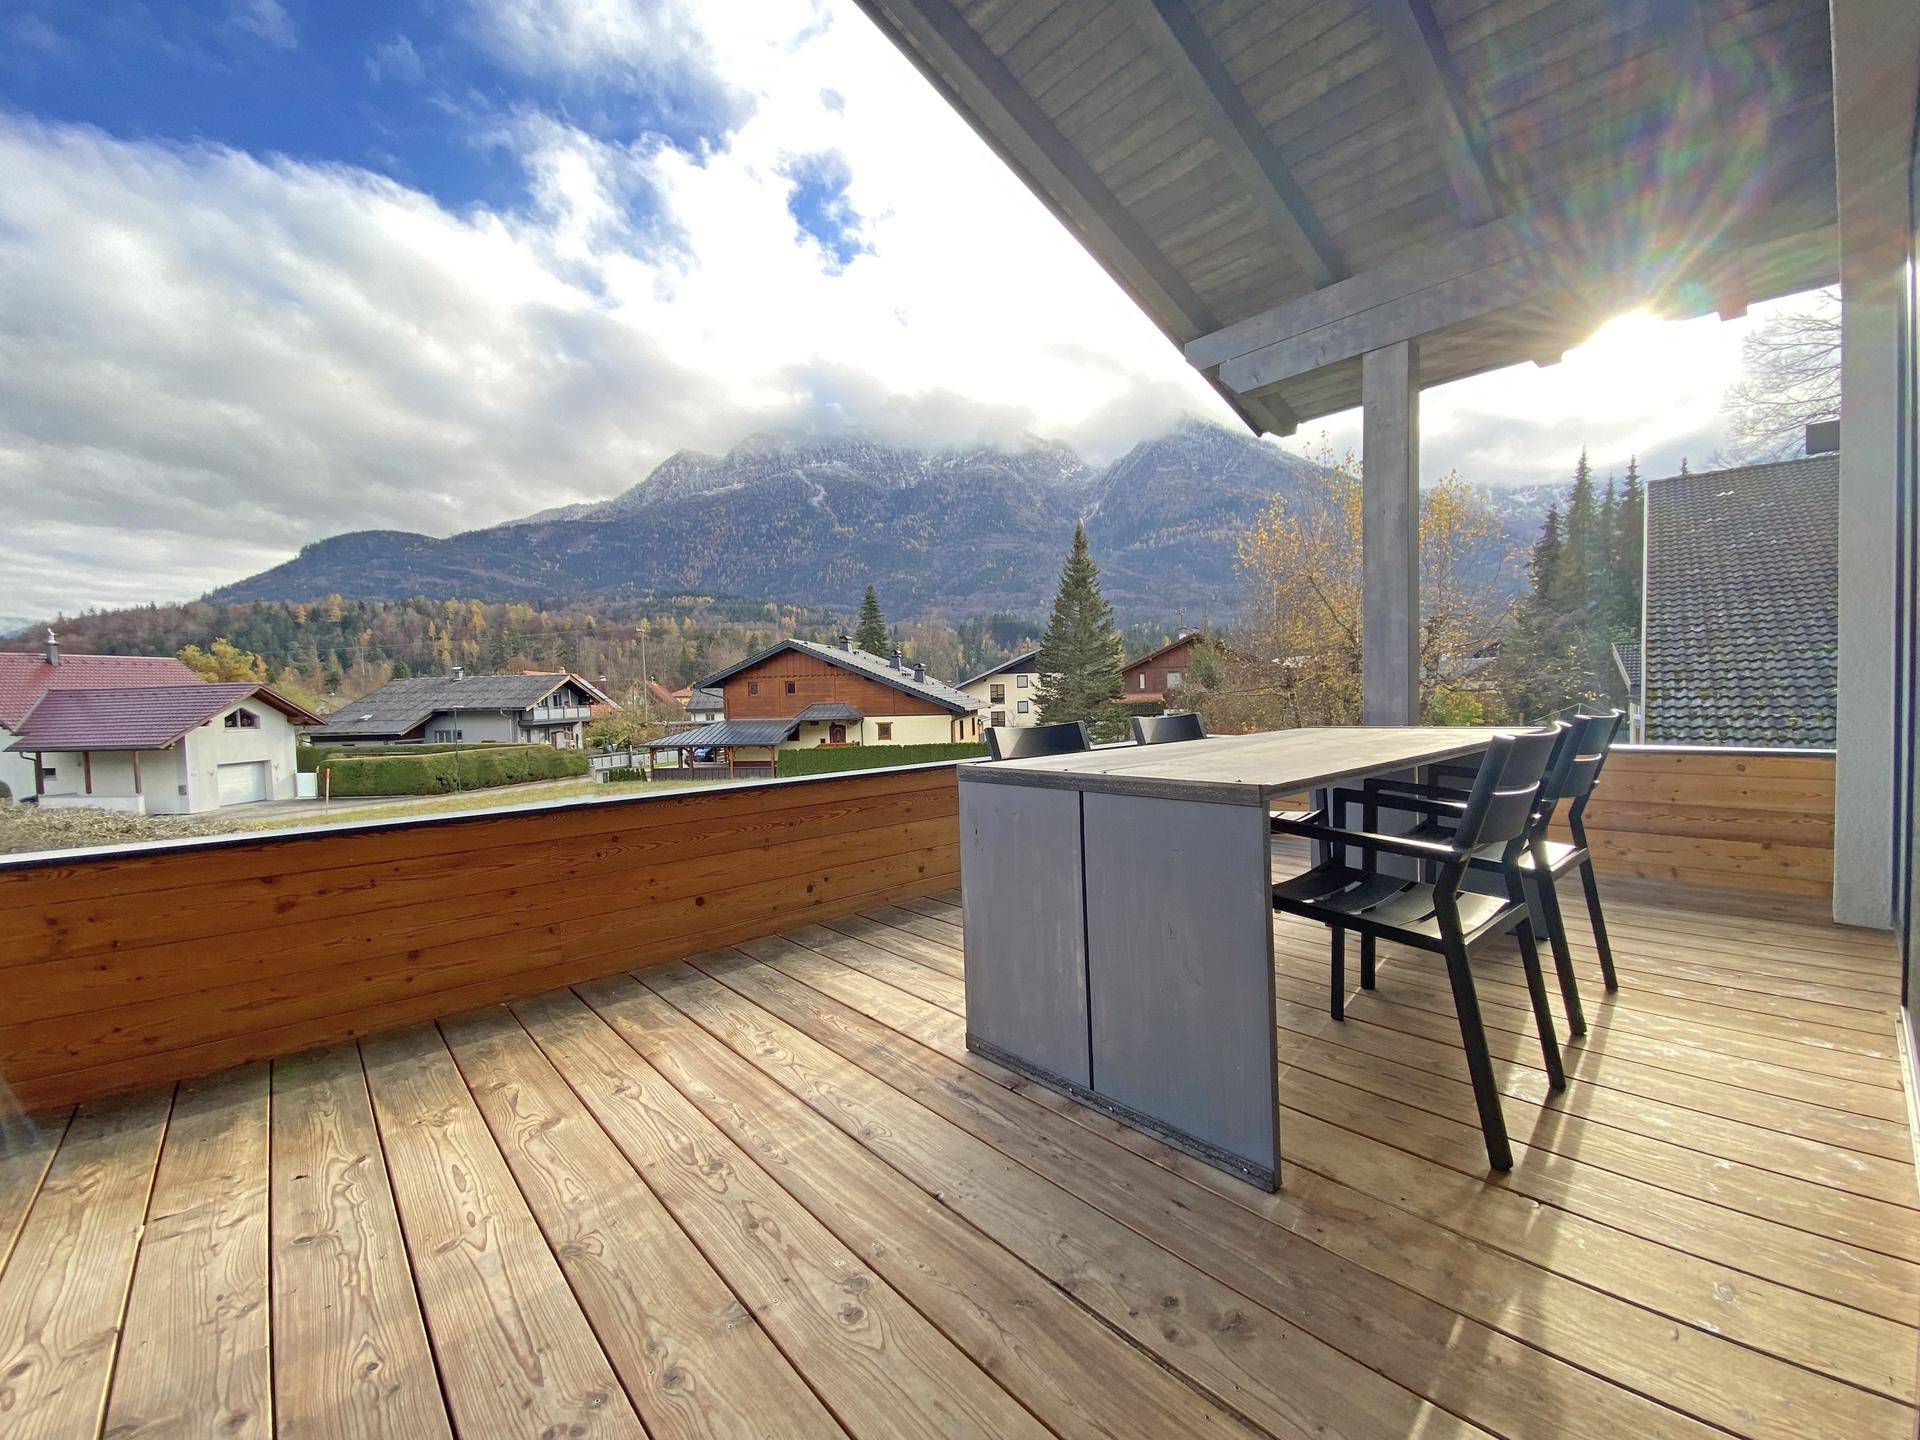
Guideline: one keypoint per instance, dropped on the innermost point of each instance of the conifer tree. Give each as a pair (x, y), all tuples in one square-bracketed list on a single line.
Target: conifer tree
[(1631, 550), (1080, 652), (871, 635)]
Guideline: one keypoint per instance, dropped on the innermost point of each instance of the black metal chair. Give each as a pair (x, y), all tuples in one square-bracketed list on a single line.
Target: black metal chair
[(1166, 729), (1571, 777), (1440, 917), (1008, 742)]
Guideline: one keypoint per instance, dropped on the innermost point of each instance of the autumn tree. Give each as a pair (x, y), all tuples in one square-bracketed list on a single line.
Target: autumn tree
[(1789, 378), (1080, 651), (224, 663), (871, 636), (1298, 658)]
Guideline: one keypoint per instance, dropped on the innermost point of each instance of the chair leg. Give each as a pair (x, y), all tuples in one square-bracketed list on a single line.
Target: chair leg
[(1366, 962), (1599, 925), (1555, 924), (1339, 973), (1473, 1036), (1542, 1014)]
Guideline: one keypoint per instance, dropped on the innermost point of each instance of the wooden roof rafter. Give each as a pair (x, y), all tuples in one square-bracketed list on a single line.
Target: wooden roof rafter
[(1420, 51), (1201, 77)]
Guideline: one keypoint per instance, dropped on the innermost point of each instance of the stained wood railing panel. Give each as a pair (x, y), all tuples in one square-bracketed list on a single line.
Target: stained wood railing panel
[(121, 969), (1748, 820)]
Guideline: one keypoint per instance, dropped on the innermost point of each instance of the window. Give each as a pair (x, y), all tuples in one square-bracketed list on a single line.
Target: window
[(1143, 679), (1173, 679), (999, 717), (243, 720), (753, 687), (1022, 707), (997, 694), (790, 687), (886, 730), (1022, 680)]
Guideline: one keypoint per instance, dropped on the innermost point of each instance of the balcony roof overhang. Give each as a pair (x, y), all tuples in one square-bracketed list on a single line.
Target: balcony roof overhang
[(1284, 188)]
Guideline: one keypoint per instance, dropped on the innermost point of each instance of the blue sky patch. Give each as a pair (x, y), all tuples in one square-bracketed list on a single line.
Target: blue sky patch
[(820, 206)]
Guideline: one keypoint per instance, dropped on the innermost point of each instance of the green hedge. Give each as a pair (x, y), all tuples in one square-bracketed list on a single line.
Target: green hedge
[(442, 772), (625, 772), (310, 758), (825, 759)]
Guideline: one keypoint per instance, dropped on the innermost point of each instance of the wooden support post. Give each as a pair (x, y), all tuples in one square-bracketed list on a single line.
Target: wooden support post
[(86, 769), (1390, 535), (136, 770), (39, 774)]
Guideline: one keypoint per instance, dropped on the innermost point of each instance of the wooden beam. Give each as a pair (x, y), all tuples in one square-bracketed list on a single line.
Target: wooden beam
[(1390, 536), (1420, 51), (1190, 61), (1412, 269)]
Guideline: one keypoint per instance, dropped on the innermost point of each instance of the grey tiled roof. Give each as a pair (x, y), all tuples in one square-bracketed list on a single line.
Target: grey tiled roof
[(861, 663), (827, 710), (1627, 657), (704, 700), (1743, 605), (396, 708), (1027, 660), (729, 732)]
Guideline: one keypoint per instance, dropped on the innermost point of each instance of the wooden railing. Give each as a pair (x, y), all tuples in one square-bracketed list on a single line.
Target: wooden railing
[(1749, 820), (123, 968)]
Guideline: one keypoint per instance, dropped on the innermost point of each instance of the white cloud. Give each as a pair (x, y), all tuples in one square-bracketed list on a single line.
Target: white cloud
[(268, 20), (397, 61), (208, 358)]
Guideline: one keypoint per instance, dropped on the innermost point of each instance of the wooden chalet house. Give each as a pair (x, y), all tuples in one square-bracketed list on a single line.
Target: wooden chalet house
[(656, 1116), (1156, 677)]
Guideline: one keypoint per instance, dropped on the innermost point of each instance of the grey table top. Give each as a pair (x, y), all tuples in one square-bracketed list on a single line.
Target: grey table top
[(1242, 769)]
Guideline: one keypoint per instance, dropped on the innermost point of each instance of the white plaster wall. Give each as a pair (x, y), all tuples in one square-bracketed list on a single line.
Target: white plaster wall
[(212, 745), (16, 770), (982, 690)]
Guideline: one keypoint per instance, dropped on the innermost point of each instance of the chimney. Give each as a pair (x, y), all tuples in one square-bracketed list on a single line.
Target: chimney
[(919, 671), (1823, 437), (896, 657), (52, 648), (459, 672), (846, 641)]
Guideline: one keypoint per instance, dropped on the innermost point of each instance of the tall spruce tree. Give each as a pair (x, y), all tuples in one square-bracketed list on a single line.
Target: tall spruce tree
[(1631, 549), (872, 633), (1080, 652)]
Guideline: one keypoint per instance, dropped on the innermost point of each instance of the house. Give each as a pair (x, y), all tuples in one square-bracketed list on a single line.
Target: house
[(1155, 676), (705, 705), (543, 709), (800, 693), (1010, 690), (26, 677), (1742, 606), (158, 748)]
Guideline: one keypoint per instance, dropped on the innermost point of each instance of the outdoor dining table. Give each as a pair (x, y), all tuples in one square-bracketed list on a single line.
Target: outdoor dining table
[(1119, 921)]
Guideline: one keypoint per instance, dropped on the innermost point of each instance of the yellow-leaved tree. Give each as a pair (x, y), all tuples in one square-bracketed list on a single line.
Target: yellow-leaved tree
[(1296, 659), (223, 662)]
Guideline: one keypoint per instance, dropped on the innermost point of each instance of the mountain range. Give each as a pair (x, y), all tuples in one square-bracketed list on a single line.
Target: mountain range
[(814, 521)]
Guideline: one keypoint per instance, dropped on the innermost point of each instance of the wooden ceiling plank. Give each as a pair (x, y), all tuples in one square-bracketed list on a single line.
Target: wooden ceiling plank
[(1420, 50), (1176, 38)]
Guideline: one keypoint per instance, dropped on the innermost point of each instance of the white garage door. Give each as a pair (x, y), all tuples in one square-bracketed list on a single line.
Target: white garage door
[(242, 783)]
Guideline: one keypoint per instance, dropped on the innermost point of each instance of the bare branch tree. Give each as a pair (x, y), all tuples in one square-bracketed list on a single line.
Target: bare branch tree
[(1790, 377)]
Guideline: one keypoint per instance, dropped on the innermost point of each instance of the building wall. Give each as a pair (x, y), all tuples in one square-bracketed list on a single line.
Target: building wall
[(762, 693), (212, 745), (472, 725), (1008, 706), (1163, 672), (16, 771), (941, 729), (66, 776)]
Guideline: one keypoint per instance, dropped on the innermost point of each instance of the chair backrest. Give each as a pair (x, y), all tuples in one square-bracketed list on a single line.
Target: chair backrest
[(1165, 729), (1009, 742), (1593, 737), (1500, 806)]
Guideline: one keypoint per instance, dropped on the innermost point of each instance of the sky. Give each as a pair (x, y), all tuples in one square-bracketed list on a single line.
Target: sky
[(275, 269)]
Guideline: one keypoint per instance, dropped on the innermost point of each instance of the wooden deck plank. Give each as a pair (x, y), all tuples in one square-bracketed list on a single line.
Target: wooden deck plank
[(1403, 1333), (65, 1287), (693, 1357), (1860, 1349), (873, 1360), (350, 1353), (1076, 1374), (27, 1146), (515, 1354), (194, 1354)]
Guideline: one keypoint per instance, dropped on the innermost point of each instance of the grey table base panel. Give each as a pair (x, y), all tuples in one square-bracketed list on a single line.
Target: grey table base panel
[(1024, 926), (1180, 974)]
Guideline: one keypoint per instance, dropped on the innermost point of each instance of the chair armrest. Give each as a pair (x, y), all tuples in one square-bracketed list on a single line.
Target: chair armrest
[(1385, 786), (1394, 800), (1391, 844)]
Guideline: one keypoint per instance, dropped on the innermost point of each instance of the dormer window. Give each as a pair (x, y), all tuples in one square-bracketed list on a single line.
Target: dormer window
[(243, 720)]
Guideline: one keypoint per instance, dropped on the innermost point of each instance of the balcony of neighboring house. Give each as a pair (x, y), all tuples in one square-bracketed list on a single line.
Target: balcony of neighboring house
[(555, 714)]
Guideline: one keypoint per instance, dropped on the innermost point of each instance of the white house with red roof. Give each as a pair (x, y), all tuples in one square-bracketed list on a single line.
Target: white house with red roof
[(139, 733)]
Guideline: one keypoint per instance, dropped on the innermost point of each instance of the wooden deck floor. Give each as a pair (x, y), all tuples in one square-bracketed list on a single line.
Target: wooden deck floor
[(767, 1192)]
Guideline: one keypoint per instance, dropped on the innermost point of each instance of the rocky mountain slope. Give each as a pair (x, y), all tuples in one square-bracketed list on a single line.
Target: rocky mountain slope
[(815, 521)]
